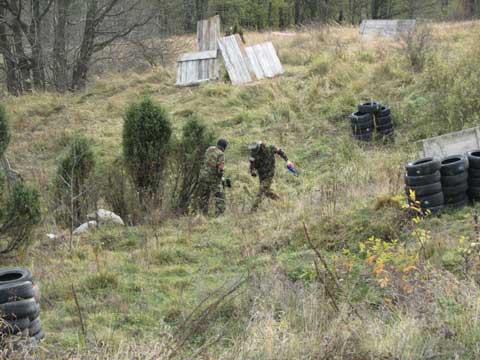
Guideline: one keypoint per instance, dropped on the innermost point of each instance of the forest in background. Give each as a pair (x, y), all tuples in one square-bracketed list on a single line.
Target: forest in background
[(57, 44)]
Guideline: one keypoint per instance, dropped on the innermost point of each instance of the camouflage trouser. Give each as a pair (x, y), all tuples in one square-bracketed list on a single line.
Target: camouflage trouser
[(265, 191), (205, 190)]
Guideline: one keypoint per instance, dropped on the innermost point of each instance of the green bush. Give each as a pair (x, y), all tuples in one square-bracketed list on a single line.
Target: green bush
[(19, 205), (4, 131), (146, 142), (19, 213), (73, 173), (196, 138), (119, 192)]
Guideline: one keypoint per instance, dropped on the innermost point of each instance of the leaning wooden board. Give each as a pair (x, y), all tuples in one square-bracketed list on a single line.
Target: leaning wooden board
[(263, 61), (235, 60)]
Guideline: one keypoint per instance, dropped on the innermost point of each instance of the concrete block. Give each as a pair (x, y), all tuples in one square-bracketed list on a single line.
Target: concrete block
[(456, 143)]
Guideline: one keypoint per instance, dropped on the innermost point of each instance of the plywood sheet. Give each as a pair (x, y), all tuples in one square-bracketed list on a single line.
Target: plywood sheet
[(208, 33), (263, 61), (195, 68), (386, 28), (235, 59)]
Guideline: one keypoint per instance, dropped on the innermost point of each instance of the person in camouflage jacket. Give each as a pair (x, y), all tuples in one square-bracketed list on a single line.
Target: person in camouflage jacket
[(211, 179), (262, 162)]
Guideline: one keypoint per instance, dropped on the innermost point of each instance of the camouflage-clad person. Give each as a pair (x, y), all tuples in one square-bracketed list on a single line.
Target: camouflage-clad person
[(211, 178), (262, 162)]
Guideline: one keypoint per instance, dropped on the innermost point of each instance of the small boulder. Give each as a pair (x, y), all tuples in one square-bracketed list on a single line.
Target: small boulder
[(85, 227), (105, 217)]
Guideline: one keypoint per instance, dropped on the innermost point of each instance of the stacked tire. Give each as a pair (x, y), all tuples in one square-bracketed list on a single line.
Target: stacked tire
[(362, 126), (384, 123), (474, 175), (372, 117), (424, 186), (454, 170), (19, 305)]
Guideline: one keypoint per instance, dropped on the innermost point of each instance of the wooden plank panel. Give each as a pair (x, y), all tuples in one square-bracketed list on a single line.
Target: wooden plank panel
[(275, 60), (234, 59), (210, 54), (253, 63), (387, 28), (197, 71), (263, 60), (208, 33)]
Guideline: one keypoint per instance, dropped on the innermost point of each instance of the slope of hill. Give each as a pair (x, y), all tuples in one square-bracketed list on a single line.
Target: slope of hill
[(407, 289)]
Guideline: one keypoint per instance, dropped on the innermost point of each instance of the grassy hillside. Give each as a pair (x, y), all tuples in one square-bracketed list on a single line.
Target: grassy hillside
[(408, 289)]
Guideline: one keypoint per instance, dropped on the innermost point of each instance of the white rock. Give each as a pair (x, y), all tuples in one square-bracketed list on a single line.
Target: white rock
[(84, 227), (52, 236), (105, 217)]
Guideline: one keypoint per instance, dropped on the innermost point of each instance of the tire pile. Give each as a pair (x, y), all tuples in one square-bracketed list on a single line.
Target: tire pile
[(372, 117), (455, 180), (424, 179), (433, 184), (19, 305), (474, 175)]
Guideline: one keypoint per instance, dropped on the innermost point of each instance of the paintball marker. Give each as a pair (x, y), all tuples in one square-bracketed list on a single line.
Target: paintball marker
[(291, 168)]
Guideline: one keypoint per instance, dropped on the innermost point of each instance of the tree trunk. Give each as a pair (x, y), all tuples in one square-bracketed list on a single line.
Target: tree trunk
[(82, 64), (38, 66), (8, 58), (22, 59), (298, 9), (59, 46), (375, 9)]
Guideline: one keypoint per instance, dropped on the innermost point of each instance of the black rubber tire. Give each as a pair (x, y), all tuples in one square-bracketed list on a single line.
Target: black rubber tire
[(368, 131), (453, 165), (384, 127), (386, 131), (383, 111), (15, 326), (363, 137), (455, 180), (363, 127), (36, 312), (473, 172), (455, 197), (423, 180), (474, 159), (425, 190), (360, 119), (35, 327), (15, 274), (453, 190), (430, 201), (383, 121), (16, 291), (19, 309), (459, 204), (474, 182), (422, 167), (474, 193), (369, 107)]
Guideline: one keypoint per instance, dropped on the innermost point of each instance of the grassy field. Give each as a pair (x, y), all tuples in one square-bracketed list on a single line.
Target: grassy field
[(403, 289)]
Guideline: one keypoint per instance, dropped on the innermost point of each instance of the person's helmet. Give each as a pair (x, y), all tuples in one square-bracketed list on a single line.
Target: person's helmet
[(222, 144)]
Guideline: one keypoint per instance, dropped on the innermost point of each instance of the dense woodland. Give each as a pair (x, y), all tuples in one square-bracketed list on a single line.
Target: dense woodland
[(53, 44)]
